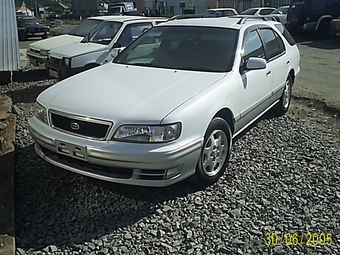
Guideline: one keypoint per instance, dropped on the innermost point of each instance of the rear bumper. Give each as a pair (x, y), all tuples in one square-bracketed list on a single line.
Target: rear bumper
[(335, 30)]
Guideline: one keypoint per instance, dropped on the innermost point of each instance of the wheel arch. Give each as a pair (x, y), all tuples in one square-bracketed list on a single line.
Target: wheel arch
[(228, 116), (292, 74), (323, 19)]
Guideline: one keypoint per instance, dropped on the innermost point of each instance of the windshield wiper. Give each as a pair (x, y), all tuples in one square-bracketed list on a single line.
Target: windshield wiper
[(86, 39), (147, 64)]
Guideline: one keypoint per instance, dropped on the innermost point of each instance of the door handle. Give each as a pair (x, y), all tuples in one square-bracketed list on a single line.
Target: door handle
[(268, 73), (287, 63)]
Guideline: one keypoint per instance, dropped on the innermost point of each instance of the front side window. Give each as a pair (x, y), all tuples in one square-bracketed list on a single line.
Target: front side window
[(103, 33), (274, 47), (85, 27), (131, 32), (253, 46), (182, 47)]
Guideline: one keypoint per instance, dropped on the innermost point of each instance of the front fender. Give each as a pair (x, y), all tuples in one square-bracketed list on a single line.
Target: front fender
[(98, 57)]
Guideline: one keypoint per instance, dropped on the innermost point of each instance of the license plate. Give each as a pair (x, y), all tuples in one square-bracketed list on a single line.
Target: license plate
[(71, 150), (53, 73)]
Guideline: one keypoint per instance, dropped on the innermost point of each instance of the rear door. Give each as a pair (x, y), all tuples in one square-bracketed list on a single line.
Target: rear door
[(277, 58)]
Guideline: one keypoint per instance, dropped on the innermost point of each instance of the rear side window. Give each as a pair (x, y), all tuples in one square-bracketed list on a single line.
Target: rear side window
[(229, 13), (286, 34), (249, 12), (266, 11), (274, 46)]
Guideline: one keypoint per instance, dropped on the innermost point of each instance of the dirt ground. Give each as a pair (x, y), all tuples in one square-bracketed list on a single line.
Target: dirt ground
[(316, 92)]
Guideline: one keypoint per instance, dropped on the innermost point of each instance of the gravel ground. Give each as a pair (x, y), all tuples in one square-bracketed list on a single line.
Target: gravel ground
[(283, 178)]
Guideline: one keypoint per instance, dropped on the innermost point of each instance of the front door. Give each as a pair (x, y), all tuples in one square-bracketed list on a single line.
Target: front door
[(256, 84)]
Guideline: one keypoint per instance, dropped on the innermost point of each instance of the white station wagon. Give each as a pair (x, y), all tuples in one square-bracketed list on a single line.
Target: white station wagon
[(169, 105), (37, 51)]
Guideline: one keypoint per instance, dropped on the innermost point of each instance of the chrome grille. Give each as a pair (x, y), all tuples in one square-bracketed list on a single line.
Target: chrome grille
[(54, 61), (35, 51), (81, 126)]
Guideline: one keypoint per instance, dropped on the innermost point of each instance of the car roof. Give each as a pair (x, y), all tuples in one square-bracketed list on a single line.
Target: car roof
[(221, 9), (136, 18), (235, 22), (117, 18)]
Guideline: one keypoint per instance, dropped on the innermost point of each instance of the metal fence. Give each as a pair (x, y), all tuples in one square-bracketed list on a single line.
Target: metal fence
[(9, 43), (172, 8)]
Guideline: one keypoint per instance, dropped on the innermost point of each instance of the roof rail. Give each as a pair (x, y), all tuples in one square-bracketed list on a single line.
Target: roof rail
[(191, 16), (244, 18)]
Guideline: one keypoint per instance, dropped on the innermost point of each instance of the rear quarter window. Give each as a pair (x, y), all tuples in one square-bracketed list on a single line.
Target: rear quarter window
[(286, 34)]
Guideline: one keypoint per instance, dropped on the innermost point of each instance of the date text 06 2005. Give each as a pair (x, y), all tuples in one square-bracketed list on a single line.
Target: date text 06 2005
[(309, 239)]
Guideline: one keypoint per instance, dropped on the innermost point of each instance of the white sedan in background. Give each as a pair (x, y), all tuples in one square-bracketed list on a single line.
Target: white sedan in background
[(169, 105)]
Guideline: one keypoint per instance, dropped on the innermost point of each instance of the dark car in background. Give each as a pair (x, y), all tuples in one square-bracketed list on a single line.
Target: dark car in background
[(312, 16), (29, 26)]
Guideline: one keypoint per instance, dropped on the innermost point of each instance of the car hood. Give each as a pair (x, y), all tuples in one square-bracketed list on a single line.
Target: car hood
[(54, 42), (76, 49), (36, 26), (126, 94)]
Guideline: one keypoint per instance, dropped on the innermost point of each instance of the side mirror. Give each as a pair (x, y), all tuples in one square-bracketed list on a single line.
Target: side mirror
[(114, 52), (256, 63)]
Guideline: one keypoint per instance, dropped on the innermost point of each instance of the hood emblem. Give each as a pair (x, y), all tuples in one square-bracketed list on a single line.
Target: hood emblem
[(75, 126)]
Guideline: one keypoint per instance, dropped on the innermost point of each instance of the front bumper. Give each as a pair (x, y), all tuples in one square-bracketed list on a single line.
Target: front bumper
[(36, 59), (154, 165), (62, 72), (37, 33)]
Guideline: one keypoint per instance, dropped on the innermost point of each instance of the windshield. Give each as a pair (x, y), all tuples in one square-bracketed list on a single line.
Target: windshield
[(183, 47), (28, 20), (103, 33), (85, 27), (249, 12)]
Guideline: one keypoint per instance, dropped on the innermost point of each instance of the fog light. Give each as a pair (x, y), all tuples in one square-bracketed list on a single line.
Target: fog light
[(172, 172)]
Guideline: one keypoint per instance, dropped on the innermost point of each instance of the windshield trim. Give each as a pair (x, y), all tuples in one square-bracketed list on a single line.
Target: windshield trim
[(228, 65)]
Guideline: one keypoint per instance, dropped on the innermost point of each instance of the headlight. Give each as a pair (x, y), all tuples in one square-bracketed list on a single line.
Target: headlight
[(147, 133), (67, 61), (44, 52), (40, 112)]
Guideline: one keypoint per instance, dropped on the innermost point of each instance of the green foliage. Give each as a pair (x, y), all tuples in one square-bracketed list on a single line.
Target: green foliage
[(56, 32)]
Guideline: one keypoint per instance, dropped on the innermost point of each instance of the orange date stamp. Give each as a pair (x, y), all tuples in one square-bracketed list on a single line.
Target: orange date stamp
[(310, 239)]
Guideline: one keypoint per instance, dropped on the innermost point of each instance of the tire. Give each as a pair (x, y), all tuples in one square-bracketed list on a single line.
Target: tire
[(283, 105), (215, 153), (324, 29), (44, 36)]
